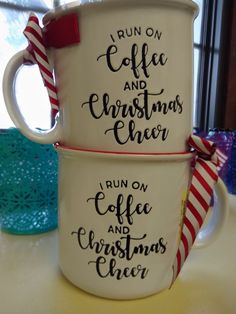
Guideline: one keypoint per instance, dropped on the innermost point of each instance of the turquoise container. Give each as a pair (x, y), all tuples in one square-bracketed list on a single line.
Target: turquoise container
[(28, 184)]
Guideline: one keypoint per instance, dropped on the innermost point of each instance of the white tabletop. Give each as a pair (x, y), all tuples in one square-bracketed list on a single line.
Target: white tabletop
[(31, 282)]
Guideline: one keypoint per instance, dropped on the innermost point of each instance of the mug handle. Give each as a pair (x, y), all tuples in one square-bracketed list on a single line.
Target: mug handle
[(212, 228), (50, 136)]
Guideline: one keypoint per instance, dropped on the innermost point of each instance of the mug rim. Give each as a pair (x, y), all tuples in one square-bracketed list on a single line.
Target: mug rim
[(76, 5), (73, 151)]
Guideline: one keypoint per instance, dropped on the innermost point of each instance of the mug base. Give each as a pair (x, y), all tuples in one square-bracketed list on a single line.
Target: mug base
[(106, 292)]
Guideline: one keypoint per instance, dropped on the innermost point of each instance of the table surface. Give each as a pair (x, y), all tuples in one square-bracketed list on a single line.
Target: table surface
[(31, 282)]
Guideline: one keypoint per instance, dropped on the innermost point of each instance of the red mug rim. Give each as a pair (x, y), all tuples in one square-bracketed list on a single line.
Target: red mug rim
[(63, 147)]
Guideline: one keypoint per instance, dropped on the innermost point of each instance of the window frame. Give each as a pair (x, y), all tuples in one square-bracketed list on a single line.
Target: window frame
[(213, 68), (19, 7)]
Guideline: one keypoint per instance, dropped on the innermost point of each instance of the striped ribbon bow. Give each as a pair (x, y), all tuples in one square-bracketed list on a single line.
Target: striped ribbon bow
[(58, 33), (204, 176), (36, 54)]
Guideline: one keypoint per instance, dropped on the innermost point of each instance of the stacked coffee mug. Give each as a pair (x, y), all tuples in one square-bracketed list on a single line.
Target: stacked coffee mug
[(122, 102)]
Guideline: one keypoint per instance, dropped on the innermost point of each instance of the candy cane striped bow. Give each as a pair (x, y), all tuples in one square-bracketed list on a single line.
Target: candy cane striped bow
[(36, 53), (204, 177)]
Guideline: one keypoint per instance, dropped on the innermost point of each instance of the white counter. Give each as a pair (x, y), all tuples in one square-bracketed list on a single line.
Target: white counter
[(31, 282)]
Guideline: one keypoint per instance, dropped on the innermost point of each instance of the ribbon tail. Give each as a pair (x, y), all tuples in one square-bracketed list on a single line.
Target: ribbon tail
[(200, 194), (36, 54), (222, 159)]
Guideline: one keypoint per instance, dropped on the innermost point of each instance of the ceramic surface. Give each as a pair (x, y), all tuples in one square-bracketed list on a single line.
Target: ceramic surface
[(127, 86)]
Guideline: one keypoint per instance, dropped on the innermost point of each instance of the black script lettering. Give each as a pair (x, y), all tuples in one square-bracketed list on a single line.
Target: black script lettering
[(140, 107), (125, 247), (87, 241), (139, 58), (111, 270), (98, 110), (122, 207), (159, 247), (159, 106), (138, 136), (130, 245), (80, 233), (131, 249)]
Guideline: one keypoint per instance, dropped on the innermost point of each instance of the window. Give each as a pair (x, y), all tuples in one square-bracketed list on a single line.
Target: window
[(13, 17), (197, 51), (211, 80)]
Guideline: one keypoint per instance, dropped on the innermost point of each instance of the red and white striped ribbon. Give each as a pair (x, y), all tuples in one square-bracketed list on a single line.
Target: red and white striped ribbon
[(222, 159), (204, 176), (36, 54)]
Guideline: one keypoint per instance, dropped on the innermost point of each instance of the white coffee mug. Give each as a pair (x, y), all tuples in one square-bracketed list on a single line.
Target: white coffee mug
[(121, 218), (127, 85)]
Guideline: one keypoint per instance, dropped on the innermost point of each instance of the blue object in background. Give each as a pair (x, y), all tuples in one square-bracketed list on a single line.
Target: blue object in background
[(230, 179), (225, 140), (28, 184)]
